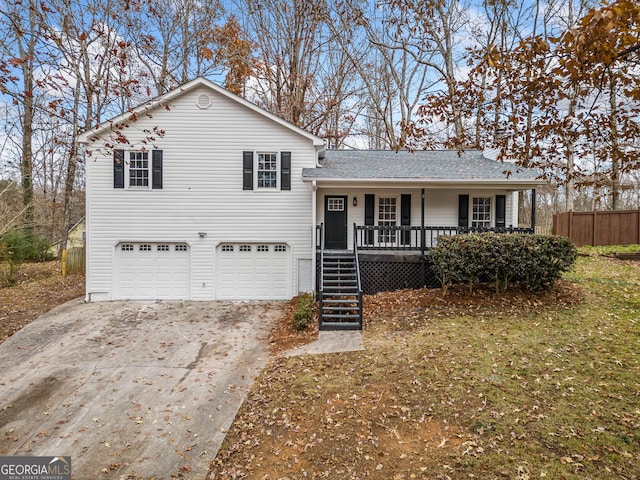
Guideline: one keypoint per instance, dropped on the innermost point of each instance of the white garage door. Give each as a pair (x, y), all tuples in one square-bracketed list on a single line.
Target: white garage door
[(253, 271), (148, 271)]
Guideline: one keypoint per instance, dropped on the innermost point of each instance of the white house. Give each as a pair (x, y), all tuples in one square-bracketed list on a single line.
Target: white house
[(201, 195)]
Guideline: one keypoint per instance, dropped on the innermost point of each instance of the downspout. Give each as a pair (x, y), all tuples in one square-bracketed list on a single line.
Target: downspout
[(314, 253), (82, 153), (314, 220), (319, 156)]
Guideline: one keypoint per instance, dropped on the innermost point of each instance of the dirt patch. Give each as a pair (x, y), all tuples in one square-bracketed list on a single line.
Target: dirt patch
[(40, 288), (283, 337)]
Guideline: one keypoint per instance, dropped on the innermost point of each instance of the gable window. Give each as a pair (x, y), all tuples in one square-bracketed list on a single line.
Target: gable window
[(387, 217), (481, 212), (267, 170), (137, 169)]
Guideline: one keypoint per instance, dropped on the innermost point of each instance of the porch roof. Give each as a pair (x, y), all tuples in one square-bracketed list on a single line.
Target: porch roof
[(424, 166)]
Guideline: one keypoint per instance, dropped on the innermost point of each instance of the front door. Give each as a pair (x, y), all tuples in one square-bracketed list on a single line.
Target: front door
[(335, 221)]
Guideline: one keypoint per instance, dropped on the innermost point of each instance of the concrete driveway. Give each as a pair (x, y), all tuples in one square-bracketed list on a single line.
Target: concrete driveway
[(131, 389)]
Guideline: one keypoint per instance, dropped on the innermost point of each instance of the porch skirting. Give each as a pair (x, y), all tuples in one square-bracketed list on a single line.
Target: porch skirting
[(385, 272)]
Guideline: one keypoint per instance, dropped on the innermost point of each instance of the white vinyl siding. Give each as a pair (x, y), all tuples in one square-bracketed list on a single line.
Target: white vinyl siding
[(202, 192)]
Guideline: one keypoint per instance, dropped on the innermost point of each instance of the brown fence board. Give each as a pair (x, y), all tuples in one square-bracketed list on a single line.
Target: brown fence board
[(75, 260), (620, 227)]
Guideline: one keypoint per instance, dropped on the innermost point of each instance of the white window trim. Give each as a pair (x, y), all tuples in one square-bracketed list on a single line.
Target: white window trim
[(492, 215), (393, 235), (127, 170), (333, 202), (256, 162), (380, 197)]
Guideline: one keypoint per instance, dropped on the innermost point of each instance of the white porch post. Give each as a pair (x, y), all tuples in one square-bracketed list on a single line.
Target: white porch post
[(314, 253)]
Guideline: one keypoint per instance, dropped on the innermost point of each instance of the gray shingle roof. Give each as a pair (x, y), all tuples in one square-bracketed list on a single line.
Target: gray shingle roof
[(427, 165)]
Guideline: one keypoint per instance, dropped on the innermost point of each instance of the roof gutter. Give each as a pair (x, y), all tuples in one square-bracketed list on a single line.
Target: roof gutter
[(421, 181)]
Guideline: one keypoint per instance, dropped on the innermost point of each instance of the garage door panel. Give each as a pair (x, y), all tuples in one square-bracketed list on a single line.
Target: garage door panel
[(253, 271), (152, 271)]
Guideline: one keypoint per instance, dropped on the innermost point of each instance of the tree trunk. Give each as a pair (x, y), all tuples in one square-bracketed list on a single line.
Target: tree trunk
[(615, 147), (26, 38)]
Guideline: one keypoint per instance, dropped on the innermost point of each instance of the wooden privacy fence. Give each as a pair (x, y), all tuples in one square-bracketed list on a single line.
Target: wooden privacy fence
[(73, 260), (620, 227)]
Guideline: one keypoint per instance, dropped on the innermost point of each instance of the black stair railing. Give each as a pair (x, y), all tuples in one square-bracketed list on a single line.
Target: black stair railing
[(357, 261), (321, 290), (340, 290)]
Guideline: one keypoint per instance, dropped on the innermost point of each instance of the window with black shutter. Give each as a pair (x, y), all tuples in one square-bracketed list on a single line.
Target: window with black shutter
[(501, 211), (405, 217), (118, 169), (369, 215), (247, 170), (285, 171), (463, 211), (156, 169)]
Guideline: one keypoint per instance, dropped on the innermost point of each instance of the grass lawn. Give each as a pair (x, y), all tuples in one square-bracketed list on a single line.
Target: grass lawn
[(479, 386)]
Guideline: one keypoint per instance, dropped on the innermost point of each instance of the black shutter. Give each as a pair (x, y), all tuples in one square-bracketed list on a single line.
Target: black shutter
[(463, 211), (156, 169), (369, 215), (118, 169), (501, 211), (247, 170), (285, 170), (405, 217)]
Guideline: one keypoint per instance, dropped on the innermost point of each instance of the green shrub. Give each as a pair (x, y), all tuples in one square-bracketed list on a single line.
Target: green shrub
[(19, 245), (535, 261), (304, 312), (14, 249)]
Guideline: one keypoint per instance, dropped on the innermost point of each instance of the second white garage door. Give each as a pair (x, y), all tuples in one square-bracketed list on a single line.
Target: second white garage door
[(253, 271)]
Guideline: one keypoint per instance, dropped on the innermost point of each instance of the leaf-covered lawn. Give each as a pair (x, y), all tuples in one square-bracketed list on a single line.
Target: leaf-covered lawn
[(40, 288), (482, 386)]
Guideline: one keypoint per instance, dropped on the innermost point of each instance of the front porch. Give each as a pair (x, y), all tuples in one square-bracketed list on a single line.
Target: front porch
[(392, 258), (406, 239), (384, 211), (381, 258)]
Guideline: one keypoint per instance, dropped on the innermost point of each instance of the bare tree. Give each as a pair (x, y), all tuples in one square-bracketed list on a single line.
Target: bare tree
[(171, 37), (301, 73), (22, 26)]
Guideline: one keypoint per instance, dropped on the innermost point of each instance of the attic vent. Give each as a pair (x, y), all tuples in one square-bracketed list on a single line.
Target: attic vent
[(203, 101)]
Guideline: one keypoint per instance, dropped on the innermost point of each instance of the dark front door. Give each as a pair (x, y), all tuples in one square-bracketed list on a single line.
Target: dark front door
[(335, 223)]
